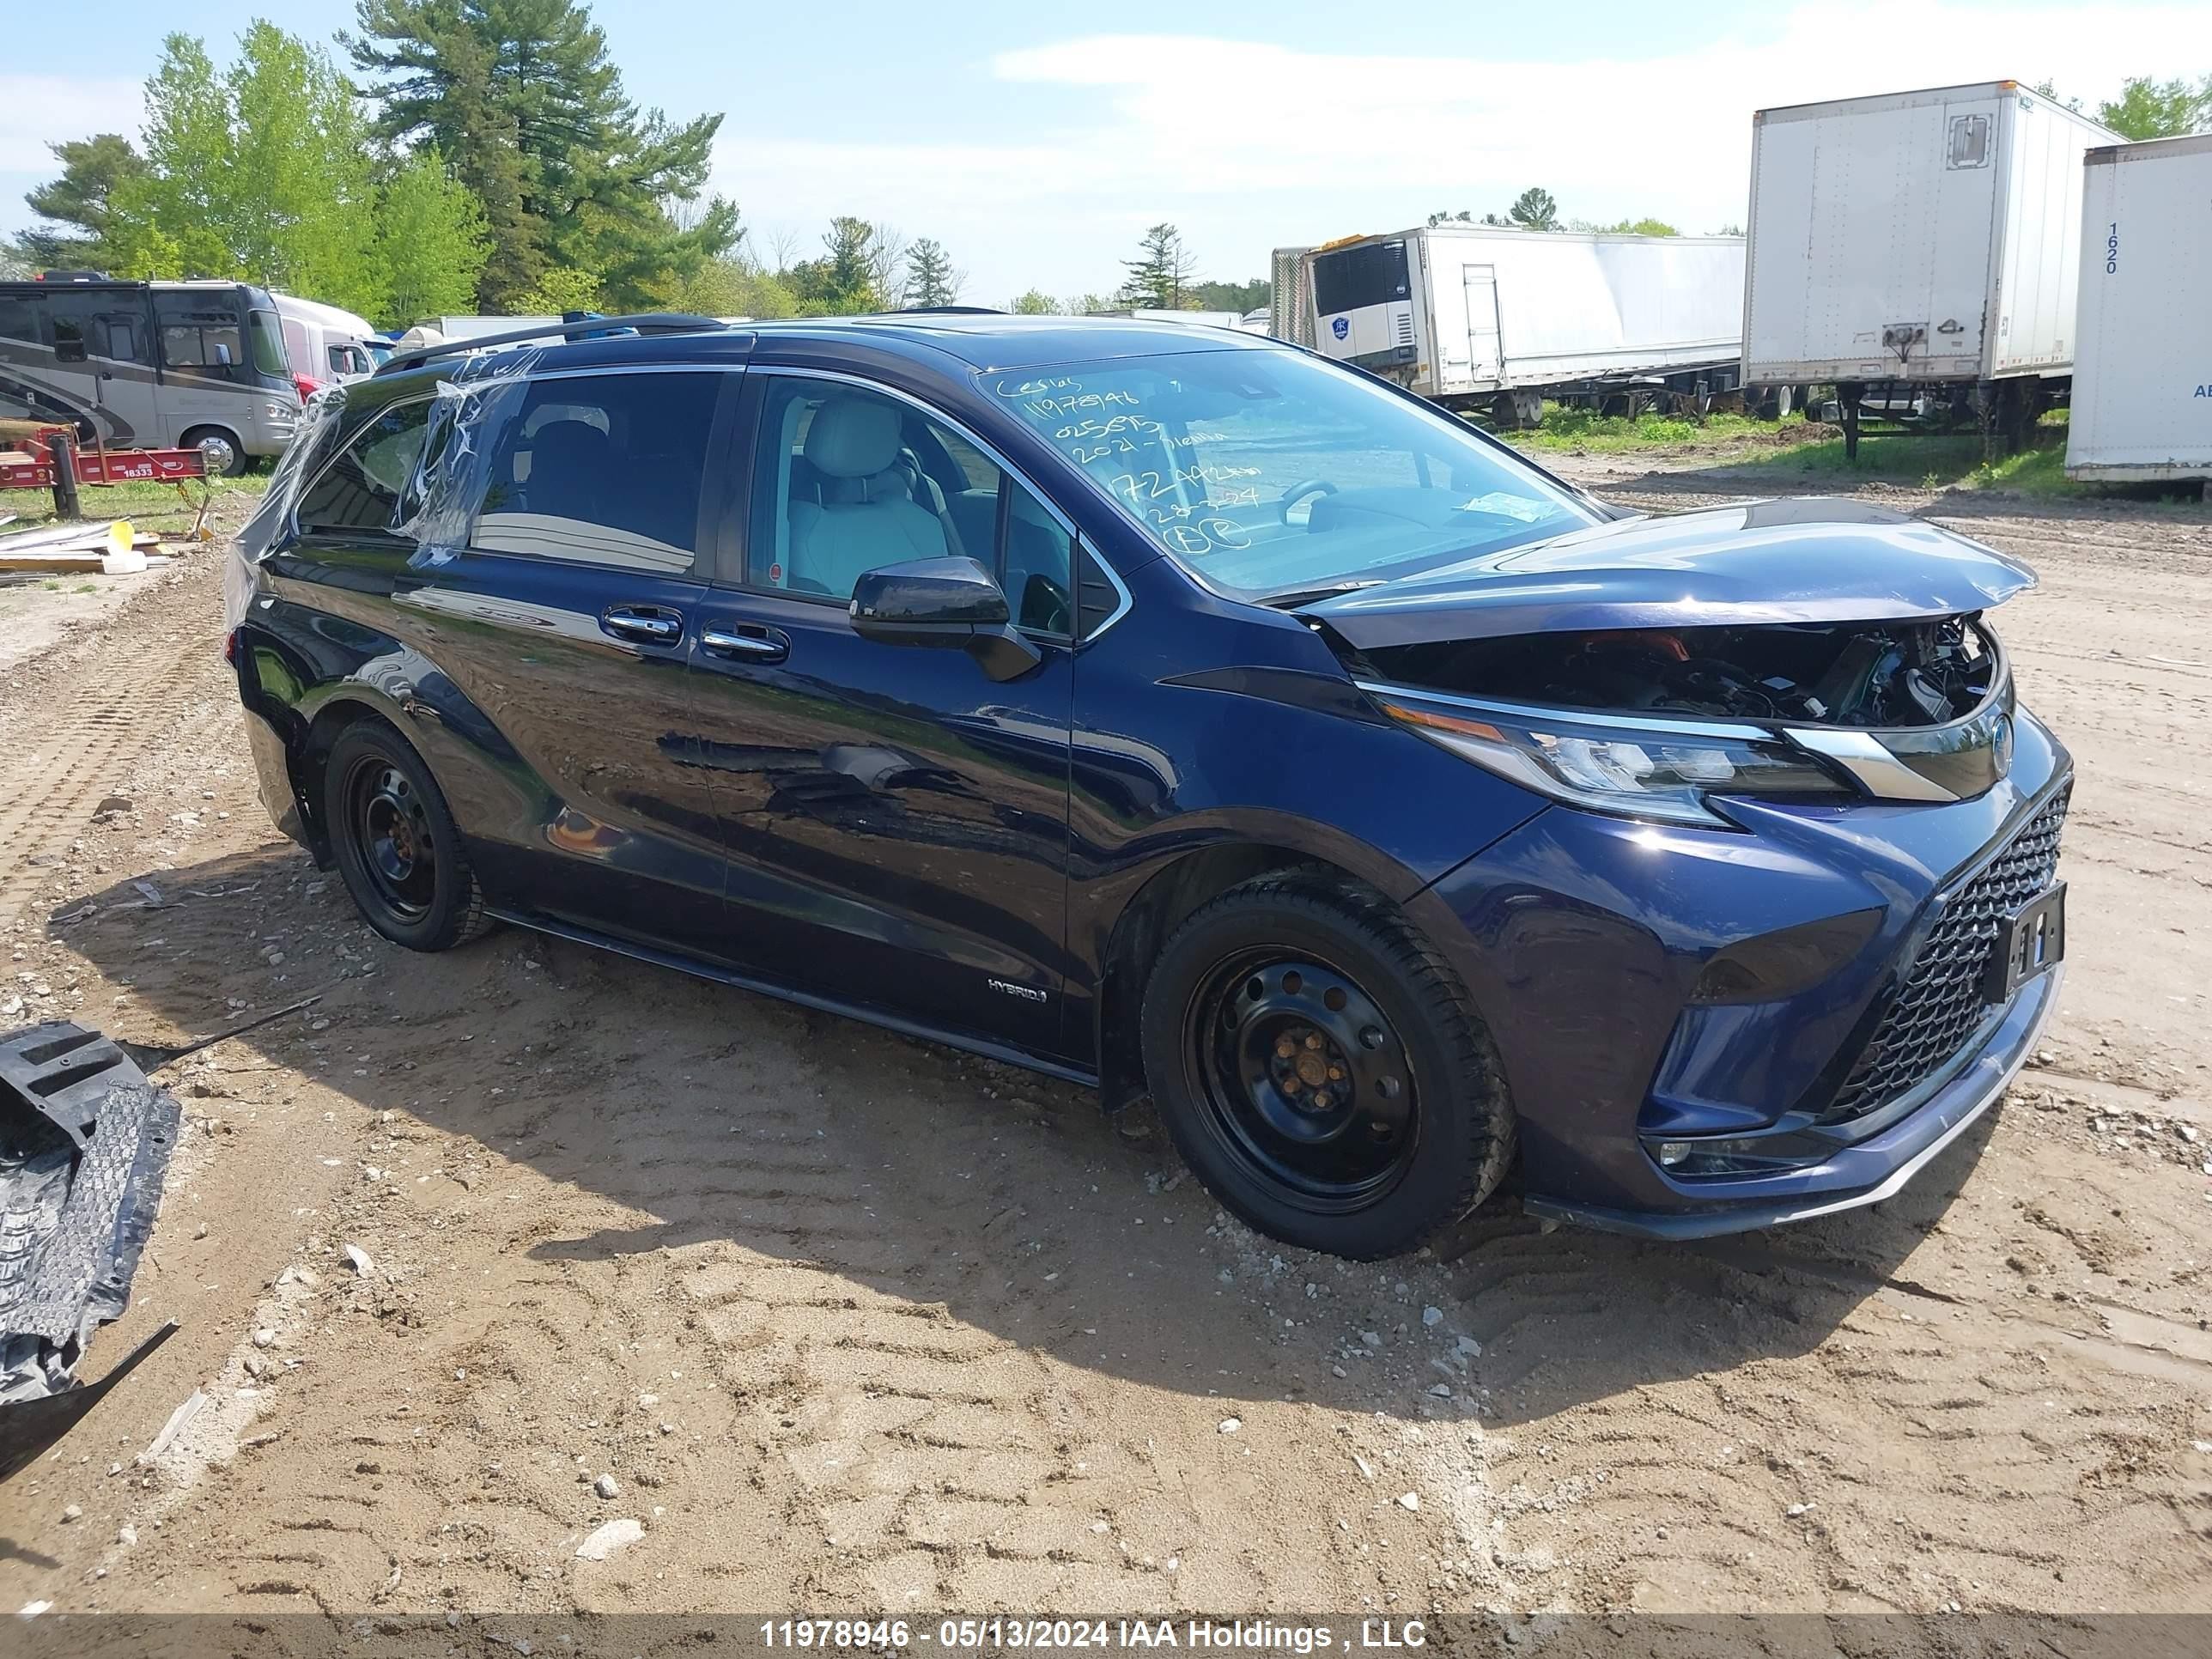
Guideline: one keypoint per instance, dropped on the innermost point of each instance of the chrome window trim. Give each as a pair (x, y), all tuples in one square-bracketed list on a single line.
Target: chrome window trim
[(997, 458), (1124, 601)]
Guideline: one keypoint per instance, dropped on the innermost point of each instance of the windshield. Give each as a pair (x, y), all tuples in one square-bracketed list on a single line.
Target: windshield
[(1270, 473), (268, 336)]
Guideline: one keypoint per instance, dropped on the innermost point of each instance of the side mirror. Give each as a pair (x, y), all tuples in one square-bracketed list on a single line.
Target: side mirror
[(942, 602)]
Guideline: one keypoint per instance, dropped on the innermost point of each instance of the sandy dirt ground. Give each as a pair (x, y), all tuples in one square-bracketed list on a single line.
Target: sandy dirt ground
[(848, 1321)]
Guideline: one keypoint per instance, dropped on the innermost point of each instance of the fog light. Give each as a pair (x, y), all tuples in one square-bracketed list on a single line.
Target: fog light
[(1672, 1152)]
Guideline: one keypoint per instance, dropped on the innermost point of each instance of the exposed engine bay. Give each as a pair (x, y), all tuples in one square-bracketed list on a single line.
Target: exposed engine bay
[(1880, 675)]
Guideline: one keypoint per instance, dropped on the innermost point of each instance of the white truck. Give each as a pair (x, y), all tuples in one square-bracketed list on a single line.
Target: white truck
[(1917, 251), (1477, 316), (2143, 365)]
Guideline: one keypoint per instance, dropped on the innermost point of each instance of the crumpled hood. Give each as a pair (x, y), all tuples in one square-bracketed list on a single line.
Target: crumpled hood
[(1810, 560)]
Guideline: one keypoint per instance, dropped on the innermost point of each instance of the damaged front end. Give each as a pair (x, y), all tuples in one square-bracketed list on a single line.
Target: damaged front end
[(1810, 652)]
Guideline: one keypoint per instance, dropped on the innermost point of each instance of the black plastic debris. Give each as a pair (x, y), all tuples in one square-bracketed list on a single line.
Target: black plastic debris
[(84, 1144)]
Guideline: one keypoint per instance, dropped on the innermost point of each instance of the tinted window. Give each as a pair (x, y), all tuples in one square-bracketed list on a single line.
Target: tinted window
[(602, 469), (203, 336), (848, 480), (73, 316), (362, 487), (19, 318)]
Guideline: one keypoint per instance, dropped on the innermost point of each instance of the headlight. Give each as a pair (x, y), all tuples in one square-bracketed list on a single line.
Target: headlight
[(1654, 771)]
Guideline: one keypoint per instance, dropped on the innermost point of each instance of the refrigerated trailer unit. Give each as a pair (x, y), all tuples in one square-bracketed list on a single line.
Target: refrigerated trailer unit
[(2142, 370), (1477, 317), (1917, 249)]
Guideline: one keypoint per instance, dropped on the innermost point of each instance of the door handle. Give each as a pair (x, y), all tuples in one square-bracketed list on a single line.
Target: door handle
[(645, 624), (748, 642)]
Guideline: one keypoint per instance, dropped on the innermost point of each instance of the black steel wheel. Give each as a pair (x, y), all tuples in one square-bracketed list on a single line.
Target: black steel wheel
[(395, 843), (1301, 1075), (1321, 1069)]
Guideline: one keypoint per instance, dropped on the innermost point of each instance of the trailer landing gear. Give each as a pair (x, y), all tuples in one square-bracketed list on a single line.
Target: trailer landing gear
[(1848, 395)]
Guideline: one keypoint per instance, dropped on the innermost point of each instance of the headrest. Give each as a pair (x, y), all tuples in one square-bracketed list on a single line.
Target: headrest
[(852, 437), (563, 445)]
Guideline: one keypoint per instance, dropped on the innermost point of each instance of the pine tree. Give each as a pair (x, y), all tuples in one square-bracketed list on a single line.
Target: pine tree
[(1161, 272), (92, 169), (930, 277), (1534, 209), (850, 278), (521, 98)]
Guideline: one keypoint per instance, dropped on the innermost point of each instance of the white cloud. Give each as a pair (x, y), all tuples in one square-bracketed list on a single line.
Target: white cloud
[(1248, 144)]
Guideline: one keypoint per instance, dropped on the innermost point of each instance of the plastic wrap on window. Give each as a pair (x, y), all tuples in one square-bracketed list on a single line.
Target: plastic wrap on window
[(469, 413), (311, 439)]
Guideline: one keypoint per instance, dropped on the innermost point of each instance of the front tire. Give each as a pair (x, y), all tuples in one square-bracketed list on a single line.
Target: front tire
[(1321, 1069), (225, 456), (395, 843)]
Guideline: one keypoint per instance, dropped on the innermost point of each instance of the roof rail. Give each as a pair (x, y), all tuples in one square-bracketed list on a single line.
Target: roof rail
[(651, 322), (944, 310)]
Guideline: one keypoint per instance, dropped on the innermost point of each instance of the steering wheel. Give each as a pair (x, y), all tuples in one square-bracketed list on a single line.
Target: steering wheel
[(1298, 492)]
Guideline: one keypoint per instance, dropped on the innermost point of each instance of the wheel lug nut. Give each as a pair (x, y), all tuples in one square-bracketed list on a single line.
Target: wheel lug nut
[(1285, 1048), (1320, 1100), (1336, 1074), (1313, 1039)]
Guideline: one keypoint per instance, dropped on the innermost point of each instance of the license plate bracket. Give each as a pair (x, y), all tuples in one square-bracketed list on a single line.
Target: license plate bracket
[(2030, 941)]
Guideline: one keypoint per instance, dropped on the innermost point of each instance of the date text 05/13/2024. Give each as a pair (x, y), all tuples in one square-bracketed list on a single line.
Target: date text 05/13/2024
[(1205, 1635)]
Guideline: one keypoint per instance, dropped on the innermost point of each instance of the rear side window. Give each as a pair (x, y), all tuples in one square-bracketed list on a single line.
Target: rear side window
[(602, 469), (362, 489)]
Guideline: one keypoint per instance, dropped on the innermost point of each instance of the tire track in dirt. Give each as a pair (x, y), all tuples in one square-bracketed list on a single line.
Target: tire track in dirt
[(54, 773)]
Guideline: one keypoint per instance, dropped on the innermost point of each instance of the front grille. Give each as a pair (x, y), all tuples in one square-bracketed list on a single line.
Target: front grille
[(1940, 1003)]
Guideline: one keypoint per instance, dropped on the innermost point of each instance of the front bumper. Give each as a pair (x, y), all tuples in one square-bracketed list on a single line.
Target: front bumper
[(1648, 985), (1870, 1171)]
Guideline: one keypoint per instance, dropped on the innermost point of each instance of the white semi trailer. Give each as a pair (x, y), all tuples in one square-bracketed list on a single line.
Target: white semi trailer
[(1917, 251), (1476, 316), (2142, 368)]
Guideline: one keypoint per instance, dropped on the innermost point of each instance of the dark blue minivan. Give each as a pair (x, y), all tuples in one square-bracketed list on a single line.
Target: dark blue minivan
[(1172, 711)]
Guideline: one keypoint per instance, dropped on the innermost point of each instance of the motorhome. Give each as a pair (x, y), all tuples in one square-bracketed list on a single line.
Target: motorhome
[(149, 365), (326, 344)]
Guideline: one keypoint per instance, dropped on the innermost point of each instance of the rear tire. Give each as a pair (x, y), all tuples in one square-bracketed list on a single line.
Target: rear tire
[(1321, 1069), (395, 843), (225, 456)]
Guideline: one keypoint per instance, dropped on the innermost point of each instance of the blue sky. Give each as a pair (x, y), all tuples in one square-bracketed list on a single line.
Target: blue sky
[(1037, 143)]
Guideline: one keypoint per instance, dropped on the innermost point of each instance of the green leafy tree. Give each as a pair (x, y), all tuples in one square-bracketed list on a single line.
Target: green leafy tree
[(520, 97), (1034, 303), (431, 242), (930, 277), (77, 205), (262, 172), (1461, 218), (732, 286), (1534, 209), (1239, 297), (2159, 109), (301, 198), (1160, 275), (558, 291)]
